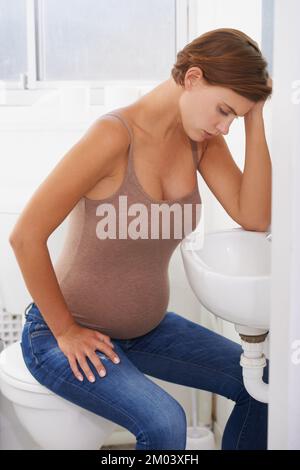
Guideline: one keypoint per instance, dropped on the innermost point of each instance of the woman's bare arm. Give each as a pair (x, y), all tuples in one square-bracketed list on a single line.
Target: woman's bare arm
[(93, 157)]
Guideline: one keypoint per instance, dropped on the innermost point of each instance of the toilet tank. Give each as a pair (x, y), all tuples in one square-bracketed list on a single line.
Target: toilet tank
[(14, 296)]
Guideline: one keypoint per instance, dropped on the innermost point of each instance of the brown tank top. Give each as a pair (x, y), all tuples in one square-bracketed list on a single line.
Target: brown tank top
[(120, 285)]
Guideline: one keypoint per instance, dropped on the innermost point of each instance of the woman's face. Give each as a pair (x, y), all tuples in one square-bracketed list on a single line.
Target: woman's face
[(207, 108)]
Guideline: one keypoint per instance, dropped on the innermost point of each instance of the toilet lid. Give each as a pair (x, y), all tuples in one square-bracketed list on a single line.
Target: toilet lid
[(14, 370)]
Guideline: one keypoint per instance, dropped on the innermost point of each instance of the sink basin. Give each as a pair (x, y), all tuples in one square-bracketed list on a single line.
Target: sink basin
[(229, 272)]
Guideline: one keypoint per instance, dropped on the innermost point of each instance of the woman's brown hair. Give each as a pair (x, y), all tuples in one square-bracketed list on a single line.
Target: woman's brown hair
[(227, 58)]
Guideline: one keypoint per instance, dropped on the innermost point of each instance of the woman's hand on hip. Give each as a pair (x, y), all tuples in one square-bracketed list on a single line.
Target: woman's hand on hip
[(77, 342)]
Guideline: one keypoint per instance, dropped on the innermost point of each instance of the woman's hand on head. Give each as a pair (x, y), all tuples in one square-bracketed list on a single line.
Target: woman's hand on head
[(258, 107)]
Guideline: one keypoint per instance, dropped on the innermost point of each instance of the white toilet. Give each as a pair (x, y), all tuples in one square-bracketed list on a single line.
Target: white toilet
[(51, 421)]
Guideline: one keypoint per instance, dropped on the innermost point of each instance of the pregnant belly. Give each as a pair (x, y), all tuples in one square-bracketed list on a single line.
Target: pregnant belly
[(120, 308)]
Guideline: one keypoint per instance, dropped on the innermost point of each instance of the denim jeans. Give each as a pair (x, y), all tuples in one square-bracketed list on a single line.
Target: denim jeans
[(178, 351)]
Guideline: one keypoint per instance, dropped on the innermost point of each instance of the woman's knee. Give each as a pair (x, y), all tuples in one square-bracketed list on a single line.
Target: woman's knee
[(166, 429)]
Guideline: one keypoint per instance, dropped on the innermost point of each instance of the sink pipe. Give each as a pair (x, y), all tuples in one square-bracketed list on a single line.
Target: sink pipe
[(253, 361)]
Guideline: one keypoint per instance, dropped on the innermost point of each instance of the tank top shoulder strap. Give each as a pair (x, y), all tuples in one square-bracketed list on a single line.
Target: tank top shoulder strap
[(130, 168), (123, 120), (195, 152), (196, 155)]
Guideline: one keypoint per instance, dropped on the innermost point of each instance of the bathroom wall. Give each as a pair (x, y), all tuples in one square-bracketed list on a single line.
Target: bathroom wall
[(284, 409)]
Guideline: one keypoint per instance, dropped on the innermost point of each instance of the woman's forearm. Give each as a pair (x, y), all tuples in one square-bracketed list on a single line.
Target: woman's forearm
[(41, 281), (256, 188)]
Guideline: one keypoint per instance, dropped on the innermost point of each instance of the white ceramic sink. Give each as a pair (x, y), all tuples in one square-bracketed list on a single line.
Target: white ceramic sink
[(230, 274)]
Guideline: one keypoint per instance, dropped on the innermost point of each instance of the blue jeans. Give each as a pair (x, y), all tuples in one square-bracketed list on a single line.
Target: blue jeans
[(178, 351)]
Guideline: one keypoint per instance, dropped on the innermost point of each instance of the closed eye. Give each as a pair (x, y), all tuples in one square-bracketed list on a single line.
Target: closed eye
[(225, 114), (222, 112)]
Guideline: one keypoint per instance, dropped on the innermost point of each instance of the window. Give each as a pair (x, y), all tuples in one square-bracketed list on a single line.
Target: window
[(104, 40), (13, 49), (49, 41), (268, 32)]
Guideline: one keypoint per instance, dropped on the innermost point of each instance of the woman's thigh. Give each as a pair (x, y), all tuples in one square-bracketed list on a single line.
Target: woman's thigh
[(125, 395), (184, 352)]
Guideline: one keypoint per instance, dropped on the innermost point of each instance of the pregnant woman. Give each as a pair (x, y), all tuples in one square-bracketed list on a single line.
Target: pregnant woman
[(99, 321)]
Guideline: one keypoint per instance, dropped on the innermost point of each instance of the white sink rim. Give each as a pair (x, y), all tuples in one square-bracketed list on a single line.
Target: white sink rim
[(196, 253)]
